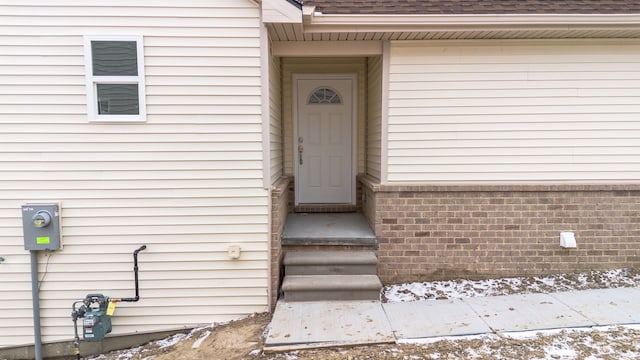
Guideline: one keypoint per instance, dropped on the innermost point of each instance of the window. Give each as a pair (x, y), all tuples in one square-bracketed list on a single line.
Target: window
[(324, 95), (115, 78)]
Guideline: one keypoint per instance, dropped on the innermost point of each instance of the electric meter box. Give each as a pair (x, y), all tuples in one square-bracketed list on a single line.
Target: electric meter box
[(41, 226)]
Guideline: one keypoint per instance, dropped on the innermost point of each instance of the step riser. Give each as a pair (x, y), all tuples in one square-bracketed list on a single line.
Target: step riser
[(342, 295), (331, 276), (331, 270)]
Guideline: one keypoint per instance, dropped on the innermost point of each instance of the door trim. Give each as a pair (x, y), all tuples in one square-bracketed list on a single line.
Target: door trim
[(354, 120)]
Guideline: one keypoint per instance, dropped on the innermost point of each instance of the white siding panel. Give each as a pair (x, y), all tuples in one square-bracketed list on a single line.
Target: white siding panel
[(514, 111), (187, 183), (374, 117), (276, 124)]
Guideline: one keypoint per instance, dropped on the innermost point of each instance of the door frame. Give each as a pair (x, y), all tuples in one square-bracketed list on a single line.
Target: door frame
[(354, 121)]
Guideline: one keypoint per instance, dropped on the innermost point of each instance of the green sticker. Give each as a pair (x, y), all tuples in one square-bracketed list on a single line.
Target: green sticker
[(43, 240)]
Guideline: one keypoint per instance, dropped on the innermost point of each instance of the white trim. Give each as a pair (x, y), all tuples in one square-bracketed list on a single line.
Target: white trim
[(266, 106), (384, 109), (327, 48), (418, 22), (354, 125), (91, 81), (266, 149), (278, 11)]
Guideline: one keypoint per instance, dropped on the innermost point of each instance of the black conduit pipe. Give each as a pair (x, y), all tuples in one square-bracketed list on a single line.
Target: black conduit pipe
[(135, 274)]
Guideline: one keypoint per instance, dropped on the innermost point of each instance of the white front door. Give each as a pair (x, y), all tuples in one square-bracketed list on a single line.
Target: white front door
[(324, 145)]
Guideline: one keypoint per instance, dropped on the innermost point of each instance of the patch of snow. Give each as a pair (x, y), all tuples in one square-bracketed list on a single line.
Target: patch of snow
[(463, 288), (559, 352), (195, 331), (524, 335), (632, 326), (170, 341), (431, 340), (197, 343), (123, 355)]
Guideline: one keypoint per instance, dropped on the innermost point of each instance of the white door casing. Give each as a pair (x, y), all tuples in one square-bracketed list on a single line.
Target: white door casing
[(324, 144)]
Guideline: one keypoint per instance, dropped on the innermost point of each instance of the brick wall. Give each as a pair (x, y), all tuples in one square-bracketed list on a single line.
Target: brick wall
[(279, 200), (444, 232)]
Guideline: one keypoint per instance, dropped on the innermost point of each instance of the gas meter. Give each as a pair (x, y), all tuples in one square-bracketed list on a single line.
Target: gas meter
[(96, 311), (96, 323)]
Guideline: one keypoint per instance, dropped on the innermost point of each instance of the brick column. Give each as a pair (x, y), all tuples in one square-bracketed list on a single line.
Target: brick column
[(279, 211)]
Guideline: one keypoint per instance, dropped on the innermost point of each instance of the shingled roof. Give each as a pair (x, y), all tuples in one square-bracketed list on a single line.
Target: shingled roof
[(462, 7)]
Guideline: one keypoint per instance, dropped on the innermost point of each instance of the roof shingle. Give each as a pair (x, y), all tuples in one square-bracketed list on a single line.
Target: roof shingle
[(470, 7)]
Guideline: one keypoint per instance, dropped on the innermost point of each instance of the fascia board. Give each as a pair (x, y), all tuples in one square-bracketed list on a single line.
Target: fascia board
[(318, 22)]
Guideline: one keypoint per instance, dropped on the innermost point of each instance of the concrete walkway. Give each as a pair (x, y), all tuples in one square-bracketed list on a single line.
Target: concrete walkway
[(314, 324)]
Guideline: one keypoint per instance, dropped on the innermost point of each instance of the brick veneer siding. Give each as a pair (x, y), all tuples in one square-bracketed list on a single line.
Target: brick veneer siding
[(444, 232), (279, 200)]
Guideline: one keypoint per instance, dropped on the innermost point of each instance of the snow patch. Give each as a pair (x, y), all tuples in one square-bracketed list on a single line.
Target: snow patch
[(170, 341), (197, 343), (464, 288)]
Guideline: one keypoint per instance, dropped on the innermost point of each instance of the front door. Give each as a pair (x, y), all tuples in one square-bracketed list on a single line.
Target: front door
[(324, 151)]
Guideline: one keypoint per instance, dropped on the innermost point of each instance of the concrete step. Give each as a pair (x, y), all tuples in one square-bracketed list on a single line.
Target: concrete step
[(330, 263), (328, 229), (331, 287)]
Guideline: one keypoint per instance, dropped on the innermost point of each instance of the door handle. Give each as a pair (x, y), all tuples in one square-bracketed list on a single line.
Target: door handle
[(300, 150)]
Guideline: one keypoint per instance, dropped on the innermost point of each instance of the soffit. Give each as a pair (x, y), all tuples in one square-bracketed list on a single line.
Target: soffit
[(294, 32)]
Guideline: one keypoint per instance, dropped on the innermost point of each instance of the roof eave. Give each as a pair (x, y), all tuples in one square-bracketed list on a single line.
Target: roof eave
[(318, 22)]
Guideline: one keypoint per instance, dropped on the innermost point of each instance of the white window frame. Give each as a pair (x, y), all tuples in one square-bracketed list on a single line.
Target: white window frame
[(92, 81)]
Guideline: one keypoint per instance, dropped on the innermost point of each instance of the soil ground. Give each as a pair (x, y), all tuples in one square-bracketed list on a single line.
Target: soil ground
[(243, 339)]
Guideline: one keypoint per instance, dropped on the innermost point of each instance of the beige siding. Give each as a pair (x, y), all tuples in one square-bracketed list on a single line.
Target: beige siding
[(188, 182), (292, 66), (514, 111), (275, 92), (374, 116)]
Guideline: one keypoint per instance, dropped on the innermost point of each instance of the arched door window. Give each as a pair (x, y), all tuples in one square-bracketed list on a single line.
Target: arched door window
[(324, 95)]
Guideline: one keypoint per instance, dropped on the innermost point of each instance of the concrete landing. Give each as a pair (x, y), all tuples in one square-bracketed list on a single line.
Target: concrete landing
[(423, 319), (605, 306), (526, 312), (315, 324), (327, 229), (329, 323)]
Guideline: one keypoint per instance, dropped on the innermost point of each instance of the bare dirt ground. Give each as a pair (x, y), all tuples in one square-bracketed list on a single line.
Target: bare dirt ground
[(243, 339)]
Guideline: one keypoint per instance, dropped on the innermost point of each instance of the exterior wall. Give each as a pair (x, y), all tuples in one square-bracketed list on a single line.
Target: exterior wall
[(276, 129), (292, 66), (446, 232), (512, 111), (279, 211), (495, 147), (188, 182), (374, 116)]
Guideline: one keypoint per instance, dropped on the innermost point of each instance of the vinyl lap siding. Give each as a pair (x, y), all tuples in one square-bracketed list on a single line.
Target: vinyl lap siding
[(514, 111), (275, 91), (187, 183), (374, 116)]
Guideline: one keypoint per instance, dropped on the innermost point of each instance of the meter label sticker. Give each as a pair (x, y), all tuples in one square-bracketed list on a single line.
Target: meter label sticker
[(111, 308), (43, 240)]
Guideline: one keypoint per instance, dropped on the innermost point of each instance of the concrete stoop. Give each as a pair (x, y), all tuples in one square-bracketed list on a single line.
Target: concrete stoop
[(331, 275)]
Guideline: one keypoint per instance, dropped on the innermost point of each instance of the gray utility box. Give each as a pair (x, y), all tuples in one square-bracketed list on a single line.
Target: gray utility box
[(41, 225)]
